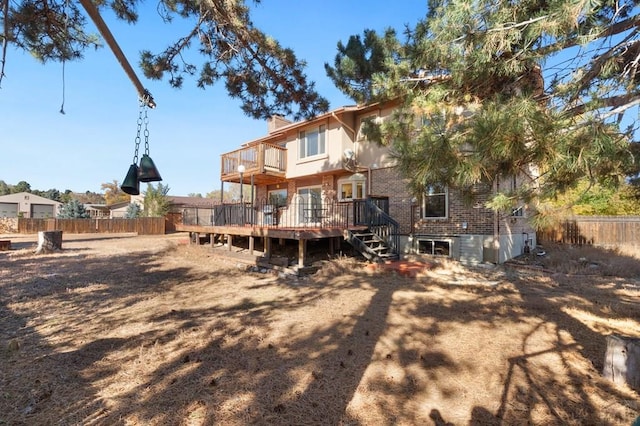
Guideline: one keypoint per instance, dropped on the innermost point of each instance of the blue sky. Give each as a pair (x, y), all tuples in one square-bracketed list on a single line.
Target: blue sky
[(93, 142)]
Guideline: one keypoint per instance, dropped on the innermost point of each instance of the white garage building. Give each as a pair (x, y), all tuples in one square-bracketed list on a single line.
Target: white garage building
[(24, 204)]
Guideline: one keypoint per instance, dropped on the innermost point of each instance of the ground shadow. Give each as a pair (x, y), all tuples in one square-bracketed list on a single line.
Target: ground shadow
[(227, 358)]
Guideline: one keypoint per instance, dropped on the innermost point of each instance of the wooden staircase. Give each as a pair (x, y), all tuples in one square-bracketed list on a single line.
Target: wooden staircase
[(371, 246), (379, 242)]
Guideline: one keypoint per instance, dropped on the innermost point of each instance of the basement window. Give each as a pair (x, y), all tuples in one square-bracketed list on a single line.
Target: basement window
[(434, 247)]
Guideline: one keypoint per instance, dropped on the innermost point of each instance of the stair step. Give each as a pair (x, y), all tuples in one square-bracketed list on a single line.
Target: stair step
[(372, 246), (365, 236)]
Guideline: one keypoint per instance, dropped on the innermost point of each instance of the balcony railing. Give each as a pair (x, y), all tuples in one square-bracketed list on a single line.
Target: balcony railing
[(299, 213), (264, 158)]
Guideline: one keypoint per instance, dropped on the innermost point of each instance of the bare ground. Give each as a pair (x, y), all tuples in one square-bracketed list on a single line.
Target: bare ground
[(125, 330)]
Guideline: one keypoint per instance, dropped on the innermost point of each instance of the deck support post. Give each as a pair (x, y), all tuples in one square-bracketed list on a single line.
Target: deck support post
[(251, 244), (331, 246), (212, 240), (302, 252), (229, 242), (267, 247)]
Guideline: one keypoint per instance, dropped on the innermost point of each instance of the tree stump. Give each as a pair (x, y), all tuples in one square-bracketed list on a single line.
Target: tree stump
[(49, 241), (622, 361)]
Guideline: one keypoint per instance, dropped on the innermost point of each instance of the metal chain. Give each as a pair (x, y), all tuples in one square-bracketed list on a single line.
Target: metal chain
[(135, 155), (146, 129)]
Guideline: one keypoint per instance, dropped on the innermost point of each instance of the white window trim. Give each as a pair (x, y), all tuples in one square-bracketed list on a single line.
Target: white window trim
[(433, 241), (446, 205), (353, 182), (299, 141)]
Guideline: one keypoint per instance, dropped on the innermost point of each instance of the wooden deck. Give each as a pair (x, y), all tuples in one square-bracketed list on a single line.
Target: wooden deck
[(267, 234)]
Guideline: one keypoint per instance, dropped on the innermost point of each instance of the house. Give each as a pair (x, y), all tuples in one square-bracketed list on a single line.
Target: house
[(323, 174), (118, 210), (25, 204), (97, 211)]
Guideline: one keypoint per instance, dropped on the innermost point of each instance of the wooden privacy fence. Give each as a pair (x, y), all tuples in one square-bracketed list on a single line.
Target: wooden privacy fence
[(141, 226), (595, 230)]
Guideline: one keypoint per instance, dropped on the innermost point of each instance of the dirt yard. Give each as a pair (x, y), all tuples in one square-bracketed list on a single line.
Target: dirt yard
[(125, 330)]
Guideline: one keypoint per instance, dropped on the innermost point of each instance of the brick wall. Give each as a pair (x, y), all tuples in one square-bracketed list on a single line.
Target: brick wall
[(479, 220)]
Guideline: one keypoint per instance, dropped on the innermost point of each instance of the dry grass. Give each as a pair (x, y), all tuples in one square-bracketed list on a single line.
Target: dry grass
[(110, 332)]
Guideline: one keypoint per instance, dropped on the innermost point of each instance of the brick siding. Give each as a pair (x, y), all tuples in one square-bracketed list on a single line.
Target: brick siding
[(479, 220)]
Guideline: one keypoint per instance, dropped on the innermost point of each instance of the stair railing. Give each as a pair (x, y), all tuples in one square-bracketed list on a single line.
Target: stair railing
[(368, 213)]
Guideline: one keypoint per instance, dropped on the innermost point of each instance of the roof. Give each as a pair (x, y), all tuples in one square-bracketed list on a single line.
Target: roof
[(282, 130), (118, 205), (190, 201), (19, 197)]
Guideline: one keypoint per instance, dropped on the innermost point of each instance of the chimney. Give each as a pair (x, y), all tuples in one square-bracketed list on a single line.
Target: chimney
[(275, 122)]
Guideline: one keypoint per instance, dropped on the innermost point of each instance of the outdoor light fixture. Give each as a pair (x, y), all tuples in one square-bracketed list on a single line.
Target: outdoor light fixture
[(241, 170)]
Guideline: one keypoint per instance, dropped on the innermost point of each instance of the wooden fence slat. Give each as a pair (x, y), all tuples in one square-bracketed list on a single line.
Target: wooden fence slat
[(141, 226), (595, 230)]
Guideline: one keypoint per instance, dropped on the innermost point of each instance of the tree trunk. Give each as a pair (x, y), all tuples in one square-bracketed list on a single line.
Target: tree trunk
[(49, 241), (622, 361)]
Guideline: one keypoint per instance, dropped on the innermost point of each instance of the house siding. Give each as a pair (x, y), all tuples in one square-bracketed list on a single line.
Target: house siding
[(474, 232), (479, 220), (26, 204)]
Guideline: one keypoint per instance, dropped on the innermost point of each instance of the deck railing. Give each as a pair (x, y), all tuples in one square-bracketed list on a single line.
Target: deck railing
[(299, 213), (260, 158)]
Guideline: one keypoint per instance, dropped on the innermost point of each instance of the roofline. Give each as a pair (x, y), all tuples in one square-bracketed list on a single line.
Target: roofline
[(282, 130)]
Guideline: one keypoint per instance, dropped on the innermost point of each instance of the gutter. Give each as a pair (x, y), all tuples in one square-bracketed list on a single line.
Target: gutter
[(353, 132)]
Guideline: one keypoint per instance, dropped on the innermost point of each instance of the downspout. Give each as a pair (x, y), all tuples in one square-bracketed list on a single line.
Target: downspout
[(353, 132)]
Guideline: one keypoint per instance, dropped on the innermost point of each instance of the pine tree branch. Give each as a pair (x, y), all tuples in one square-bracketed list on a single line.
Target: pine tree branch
[(508, 27), (611, 30), (620, 104), (600, 60), (5, 42)]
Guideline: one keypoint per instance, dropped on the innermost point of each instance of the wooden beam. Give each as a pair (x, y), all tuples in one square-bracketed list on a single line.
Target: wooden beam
[(251, 243), (267, 247), (302, 252)]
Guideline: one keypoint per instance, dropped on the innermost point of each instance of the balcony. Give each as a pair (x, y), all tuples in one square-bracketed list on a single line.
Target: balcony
[(265, 162)]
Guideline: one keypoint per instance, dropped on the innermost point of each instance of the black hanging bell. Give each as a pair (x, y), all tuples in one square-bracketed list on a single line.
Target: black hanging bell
[(131, 184), (147, 171)]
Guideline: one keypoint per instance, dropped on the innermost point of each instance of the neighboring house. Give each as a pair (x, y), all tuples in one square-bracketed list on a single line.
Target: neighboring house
[(27, 205), (178, 203), (326, 163), (97, 211), (118, 210)]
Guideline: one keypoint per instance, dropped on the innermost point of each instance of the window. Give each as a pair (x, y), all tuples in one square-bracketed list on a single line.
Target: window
[(312, 142), (434, 247), (278, 197), (517, 211), (352, 188), (366, 127), (310, 207), (435, 202)]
